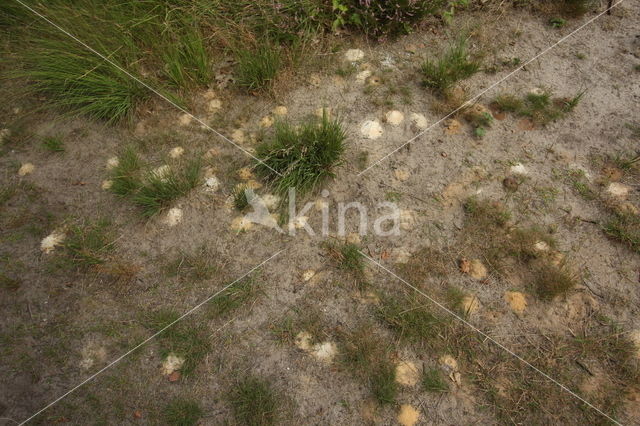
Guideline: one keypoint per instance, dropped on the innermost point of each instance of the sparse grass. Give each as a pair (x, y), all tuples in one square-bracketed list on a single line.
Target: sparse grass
[(184, 339), (487, 213), (453, 66), (368, 356), (303, 318), (254, 402), (88, 244), (410, 319), (425, 263), (53, 144), (578, 181), (432, 381), (196, 266), (257, 69), (304, 155), (551, 281), (539, 106), (234, 297), (624, 227), (182, 412)]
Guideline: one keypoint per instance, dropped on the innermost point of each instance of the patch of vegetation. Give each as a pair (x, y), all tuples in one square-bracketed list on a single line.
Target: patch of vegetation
[(303, 155), (426, 262), (432, 381), (196, 266), (368, 357), (53, 144), (486, 213), (409, 319), (624, 227), (182, 412), (88, 244), (552, 281), (257, 69), (379, 19), (240, 200), (183, 338), (152, 190), (577, 179), (539, 106), (453, 66), (254, 402), (234, 297), (303, 318)]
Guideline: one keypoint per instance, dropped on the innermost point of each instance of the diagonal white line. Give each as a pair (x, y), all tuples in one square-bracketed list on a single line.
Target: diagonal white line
[(133, 77), (147, 340), (486, 336), (476, 97)]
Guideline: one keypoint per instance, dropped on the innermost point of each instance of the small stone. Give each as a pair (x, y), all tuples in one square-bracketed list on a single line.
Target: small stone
[(112, 163), (401, 174), (174, 216), (394, 117), (371, 129), (519, 169), (353, 55), (448, 363), (353, 238), (299, 222), (106, 184), (517, 301), (419, 121), (308, 274), (161, 172), (407, 373), (536, 91), (280, 110), (452, 127), (362, 76), (271, 201), (541, 246), (49, 243), (619, 190), (408, 416), (176, 152), (267, 121), (25, 169), (325, 351)]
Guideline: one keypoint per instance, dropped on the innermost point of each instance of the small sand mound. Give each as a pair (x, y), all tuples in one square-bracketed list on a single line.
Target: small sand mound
[(419, 121), (408, 416), (266, 121), (470, 304), (26, 169), (517, 301), (518, 169), (112, 163), (176, 152), (280, 110), (394, 117), (401, 174), (172, 363), (353, 55), (619, 190), (174, 217), (407, 373), (241, 224), (371, 129)]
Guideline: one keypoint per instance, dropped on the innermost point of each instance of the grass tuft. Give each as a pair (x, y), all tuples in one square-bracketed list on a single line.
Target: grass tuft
[(254, 402), (240, 200), (624, 227), (552, 281), (258, 68), (410, 320), (125, 176), (453, 66), (88, 244), (432, 381), (234, 297), (53, 144), (304, 155)]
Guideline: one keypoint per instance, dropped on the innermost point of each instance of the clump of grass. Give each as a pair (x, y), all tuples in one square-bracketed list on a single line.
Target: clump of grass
[(254, 402), (368, 357), (302, 318), (426, 262), (579, 182), (187, 62), (410, 320), (53, 144), (240, 200), (234, 297), (182, 412), (575, 8), (125, 178), (492, 214), (624, 227), (303, 155), (258, 68), (158, 190), (88, 244), (509, 103), (432, 381), (184, 339), (453, 66), (551, 281)]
